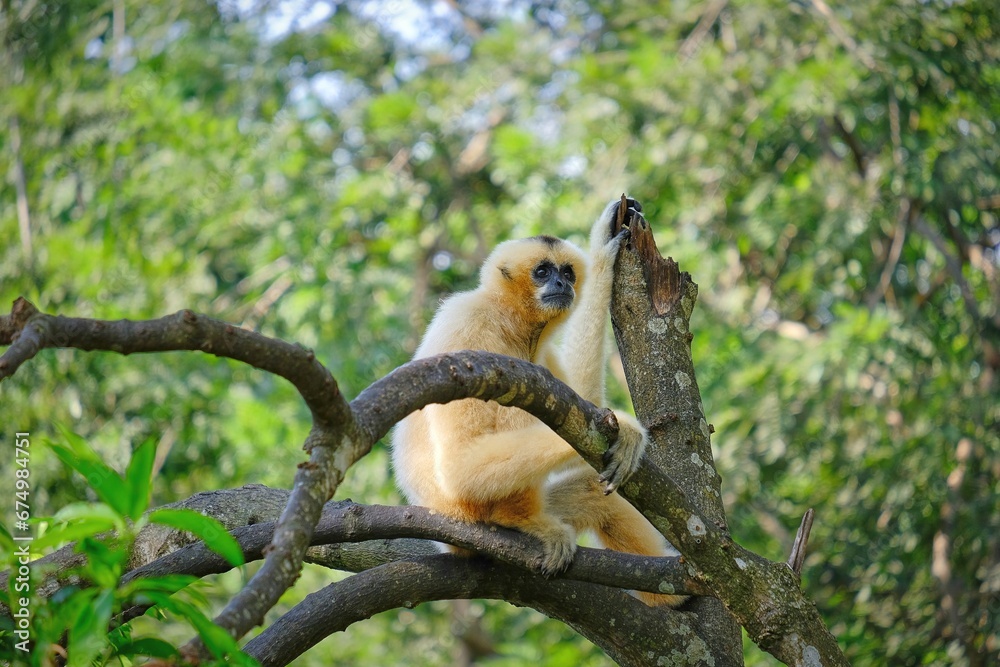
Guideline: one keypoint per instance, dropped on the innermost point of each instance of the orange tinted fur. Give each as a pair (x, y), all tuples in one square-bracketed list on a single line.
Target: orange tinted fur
[(480, 461)]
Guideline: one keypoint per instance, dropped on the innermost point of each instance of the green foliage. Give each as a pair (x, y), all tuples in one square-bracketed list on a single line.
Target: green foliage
[(829, 179), (207, 529), (82, 620)]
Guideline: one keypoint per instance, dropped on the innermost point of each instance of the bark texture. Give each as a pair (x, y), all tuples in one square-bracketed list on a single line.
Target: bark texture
[(651, 306), (679, 488)]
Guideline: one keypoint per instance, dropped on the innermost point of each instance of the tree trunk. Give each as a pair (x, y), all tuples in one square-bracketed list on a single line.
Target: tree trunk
[(651, 308)]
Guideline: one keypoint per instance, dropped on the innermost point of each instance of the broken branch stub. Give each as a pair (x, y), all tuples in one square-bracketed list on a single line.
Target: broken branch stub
[(666, 283)]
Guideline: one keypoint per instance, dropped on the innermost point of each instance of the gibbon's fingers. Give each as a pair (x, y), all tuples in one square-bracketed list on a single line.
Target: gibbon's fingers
[(603, 231), (624, 456), (615, 471), (632, 209)]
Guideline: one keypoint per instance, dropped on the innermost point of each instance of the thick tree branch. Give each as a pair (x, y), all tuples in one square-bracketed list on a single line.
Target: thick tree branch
[(489, 377), (629, 631), (651, 311), (349, 522), (28, 332)]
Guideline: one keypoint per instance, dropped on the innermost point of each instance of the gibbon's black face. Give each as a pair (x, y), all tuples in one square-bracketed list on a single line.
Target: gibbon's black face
[(555, 284)]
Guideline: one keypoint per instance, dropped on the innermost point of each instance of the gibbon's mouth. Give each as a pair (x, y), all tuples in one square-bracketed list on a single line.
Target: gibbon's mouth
[(558, 301)]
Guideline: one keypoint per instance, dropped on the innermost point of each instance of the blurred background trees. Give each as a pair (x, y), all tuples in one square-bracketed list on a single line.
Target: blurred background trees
[(325, 171)]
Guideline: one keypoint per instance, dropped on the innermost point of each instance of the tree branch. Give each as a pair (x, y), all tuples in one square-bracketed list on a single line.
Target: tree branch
[(489, 377), (28, 332), (651, 310), (954, 267), (843, 36), (346, 521), (857, 150), (629, 631), (798, 555), (691, 43)]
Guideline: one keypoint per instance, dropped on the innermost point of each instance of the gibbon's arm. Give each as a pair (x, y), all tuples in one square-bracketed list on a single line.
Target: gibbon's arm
[(583, 353)]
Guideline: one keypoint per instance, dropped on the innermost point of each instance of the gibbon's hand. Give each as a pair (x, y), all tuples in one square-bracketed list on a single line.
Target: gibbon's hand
[(623, 458), (602, 243)]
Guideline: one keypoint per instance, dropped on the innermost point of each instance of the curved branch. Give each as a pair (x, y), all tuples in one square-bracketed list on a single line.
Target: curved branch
[(490, 377), (350, 522), (29, 331), (624, 627), (332, 442)]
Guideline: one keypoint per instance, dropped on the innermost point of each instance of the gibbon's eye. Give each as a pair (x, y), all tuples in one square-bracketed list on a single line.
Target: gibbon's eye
[(569, 274), (542, 271)]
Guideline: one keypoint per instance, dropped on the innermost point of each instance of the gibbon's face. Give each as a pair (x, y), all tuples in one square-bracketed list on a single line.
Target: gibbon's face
[(542, 271), (554, 284)]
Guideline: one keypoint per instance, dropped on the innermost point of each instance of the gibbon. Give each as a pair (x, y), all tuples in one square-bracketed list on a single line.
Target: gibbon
[(482, 462)]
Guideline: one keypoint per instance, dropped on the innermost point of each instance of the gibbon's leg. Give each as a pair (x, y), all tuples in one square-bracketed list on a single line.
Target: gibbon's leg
[(576, 497), (494, 465), (499, 478)]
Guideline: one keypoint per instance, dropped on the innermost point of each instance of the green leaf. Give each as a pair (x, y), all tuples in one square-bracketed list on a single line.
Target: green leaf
[(88, 635), (77, 521), (209, 530), (105, 560), (138, 478), (147, 646), (216, 639), (168, 583), (6, 541), (106, 483)]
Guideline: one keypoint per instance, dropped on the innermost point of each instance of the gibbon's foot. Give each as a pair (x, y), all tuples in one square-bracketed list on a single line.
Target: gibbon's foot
[(623, 458), (558, 548)]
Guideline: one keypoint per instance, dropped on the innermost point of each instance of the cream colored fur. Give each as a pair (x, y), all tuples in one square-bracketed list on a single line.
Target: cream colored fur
[(480, 461)]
